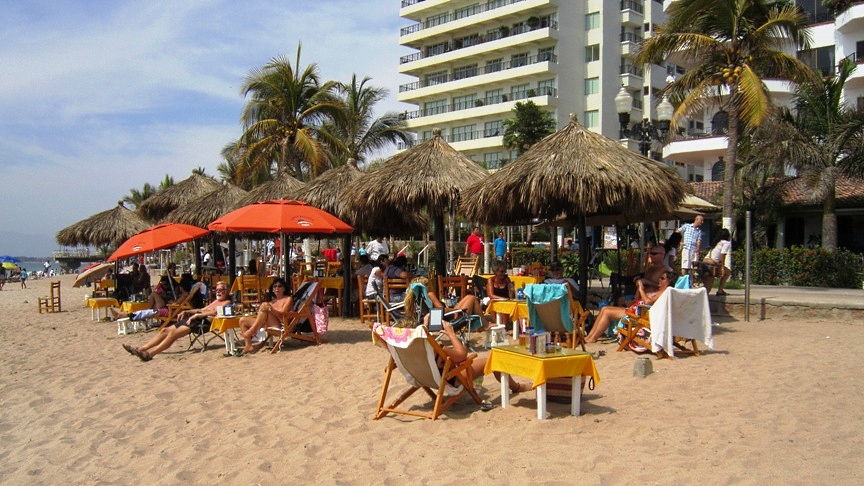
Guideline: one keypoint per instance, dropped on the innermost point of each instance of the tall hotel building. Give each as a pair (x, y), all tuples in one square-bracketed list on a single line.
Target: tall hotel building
[(473, 60)]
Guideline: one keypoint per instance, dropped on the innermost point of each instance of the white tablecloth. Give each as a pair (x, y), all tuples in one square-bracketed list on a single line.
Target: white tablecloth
[(680, 313)]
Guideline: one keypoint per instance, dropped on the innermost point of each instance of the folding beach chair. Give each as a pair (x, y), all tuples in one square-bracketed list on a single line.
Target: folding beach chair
[(299, 323), (181, 305), (550, 309), (416, 354)]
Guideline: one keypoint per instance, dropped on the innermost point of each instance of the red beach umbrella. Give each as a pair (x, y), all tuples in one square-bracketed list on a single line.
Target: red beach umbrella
[(280, 216), (156, 238)]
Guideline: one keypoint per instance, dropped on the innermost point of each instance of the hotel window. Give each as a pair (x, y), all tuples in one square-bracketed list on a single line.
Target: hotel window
[(821, 58), (592, 53), (427, 135), (469, 41), (437, 78), (546, 54), (492, 161), (592, 21), (467, 11), (460, 134), (493, 129), (465, 72), (517, 60), (494, 96), (494, 65), (436, 49), (546, 87), (437, 20), (592, 119), (520, 91), (434, 107), (463, 102), (592, 86)]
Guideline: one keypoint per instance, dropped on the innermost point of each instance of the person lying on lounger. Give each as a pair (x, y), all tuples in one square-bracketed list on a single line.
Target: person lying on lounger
[(191, 320)]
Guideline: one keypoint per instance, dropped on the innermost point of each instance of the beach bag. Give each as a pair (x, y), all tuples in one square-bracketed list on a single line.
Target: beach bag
[(322, 318)]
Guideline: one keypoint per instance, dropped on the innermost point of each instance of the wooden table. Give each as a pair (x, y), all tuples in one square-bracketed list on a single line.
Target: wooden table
[(516, 360)]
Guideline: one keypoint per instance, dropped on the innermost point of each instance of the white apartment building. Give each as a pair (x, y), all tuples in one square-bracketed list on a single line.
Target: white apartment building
[(473, 60)]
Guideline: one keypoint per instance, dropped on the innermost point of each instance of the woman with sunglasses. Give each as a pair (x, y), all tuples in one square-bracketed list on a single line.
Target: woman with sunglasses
[(610, 314), (269, 314)]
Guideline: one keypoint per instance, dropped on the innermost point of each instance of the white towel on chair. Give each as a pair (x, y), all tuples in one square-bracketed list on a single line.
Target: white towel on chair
[(680, 313)]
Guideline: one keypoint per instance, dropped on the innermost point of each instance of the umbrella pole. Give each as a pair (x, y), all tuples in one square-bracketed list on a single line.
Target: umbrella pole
[(440, 254), (283, 259), (197, 259), (232, 263), (583, 262)]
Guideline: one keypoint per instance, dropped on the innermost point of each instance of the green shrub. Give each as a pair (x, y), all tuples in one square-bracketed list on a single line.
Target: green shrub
[(802, 267), (526, 256)]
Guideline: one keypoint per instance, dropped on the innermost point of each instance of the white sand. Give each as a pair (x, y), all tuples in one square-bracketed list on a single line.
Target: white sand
[(776, 402)]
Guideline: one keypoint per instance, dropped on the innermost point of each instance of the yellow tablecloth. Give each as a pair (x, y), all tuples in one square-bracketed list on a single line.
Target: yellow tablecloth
[(516, 309), (100, 302), (515, 360), (130, 307), (519, 281), (222, 324)]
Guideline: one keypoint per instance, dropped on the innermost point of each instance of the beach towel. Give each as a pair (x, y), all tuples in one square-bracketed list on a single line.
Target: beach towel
[(543, 293), (680, 313)]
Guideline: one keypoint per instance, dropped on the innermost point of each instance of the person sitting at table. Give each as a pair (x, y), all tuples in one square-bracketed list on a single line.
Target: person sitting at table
[(500, 287), (398, 268), (142, 284), (610, 314), (556, 276), (269, 313), (468, 304), (376, 276), (458, 352), (191, 320)]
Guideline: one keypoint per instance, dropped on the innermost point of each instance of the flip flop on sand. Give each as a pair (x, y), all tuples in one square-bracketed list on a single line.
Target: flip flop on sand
[(142, 355)]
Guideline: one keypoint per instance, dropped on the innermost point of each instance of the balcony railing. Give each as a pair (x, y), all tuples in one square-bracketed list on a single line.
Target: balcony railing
[(482, 39), (487, 101), (630, 37), (460, 14), (479, 70), (631, 69)]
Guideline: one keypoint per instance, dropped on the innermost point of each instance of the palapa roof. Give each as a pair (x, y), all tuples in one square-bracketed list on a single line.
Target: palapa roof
[(284, 186), (575, 171), (324, 192), (110, 227), (430, 175), (208, 207), (156, 207)]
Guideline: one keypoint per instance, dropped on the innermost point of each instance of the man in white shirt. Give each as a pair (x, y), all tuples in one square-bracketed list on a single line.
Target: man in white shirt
[(376, 247)]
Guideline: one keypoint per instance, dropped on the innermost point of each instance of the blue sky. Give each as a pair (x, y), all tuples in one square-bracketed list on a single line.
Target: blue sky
[(98, 97)]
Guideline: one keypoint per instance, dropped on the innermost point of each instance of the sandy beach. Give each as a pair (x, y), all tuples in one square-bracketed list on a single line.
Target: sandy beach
[(776, 402)]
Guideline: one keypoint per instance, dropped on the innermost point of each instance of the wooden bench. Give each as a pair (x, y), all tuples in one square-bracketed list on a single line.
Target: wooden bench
[(51, 303)]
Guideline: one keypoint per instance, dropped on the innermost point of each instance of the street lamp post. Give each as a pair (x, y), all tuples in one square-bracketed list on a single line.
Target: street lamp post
[(644, 132)]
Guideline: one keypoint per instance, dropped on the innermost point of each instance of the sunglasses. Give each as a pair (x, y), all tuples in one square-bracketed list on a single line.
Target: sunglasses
[(278, 286)]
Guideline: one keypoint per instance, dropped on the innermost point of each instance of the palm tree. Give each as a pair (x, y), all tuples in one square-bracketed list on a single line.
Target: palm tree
[(356, 134), (826, 139), (732, 46), (137, 197), (230, 169), (529, 125), (286, 108), (167, 182)]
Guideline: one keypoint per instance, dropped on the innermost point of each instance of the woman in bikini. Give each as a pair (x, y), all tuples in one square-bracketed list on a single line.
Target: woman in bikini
[(269, 314), (500, 287)]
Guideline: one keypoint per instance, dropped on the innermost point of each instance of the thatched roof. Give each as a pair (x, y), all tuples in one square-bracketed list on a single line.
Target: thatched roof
[(429, 175), (575, 171), (284, 186), (156, 207), (324, 192), (110, 227), (208, 207)]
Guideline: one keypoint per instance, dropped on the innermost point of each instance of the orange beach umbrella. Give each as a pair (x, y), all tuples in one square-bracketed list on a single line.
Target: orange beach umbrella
[(156, 238), (280, 216)]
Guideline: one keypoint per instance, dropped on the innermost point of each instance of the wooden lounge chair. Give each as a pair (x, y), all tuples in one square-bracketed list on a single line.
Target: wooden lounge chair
[(551, 309), (368, 311), (298, 323), (394, 285), (174, 308), (452, 286), (414, 353), (51, 303)]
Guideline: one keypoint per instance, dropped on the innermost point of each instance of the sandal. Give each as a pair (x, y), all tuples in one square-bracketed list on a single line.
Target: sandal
[(129, 349), (142, 355), (721, 292)]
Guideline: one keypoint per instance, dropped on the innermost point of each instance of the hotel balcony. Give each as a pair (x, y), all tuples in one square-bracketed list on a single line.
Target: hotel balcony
[(852, 20), (632, 13), (435, 16), (492, 107), (454, 51), (695, 149), (473, 77)]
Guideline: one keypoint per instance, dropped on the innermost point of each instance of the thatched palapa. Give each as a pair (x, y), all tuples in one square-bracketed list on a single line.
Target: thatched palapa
[(283, 187), (576, 173), (210, 206), (431, 175), (110, 227), (156, 207)]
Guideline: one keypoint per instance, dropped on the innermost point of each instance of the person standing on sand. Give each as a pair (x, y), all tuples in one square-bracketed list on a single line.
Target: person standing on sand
[(23, 278)]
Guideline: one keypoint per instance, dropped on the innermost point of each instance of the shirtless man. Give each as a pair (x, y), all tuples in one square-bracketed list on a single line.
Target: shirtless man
[(651, 278)]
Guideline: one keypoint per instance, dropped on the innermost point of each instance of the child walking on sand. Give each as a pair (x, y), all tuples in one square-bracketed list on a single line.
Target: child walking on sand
[(23, 278)]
